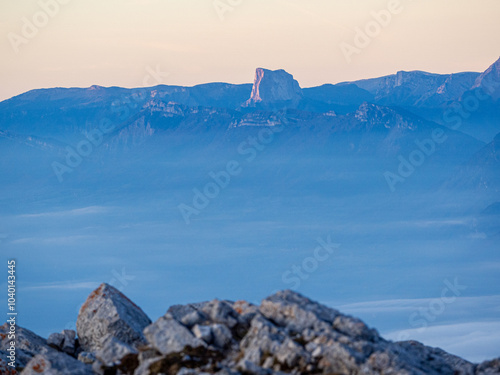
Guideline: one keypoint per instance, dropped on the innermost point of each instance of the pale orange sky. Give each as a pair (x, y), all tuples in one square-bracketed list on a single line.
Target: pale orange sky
[(116, 42)]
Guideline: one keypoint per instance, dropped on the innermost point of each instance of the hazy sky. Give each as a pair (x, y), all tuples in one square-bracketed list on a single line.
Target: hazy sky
[(118, 42)]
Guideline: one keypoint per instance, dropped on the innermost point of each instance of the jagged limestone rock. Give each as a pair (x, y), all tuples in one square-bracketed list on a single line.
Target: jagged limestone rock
[(109, 312)]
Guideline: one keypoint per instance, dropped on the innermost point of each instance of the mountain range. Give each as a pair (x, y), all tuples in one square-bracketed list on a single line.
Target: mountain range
[(380, 115), (418, 92)]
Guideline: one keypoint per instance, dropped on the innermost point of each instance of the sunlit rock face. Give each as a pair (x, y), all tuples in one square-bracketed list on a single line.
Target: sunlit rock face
[(274, 87)]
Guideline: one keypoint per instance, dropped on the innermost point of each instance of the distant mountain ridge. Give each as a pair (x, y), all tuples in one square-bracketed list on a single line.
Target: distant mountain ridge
[(278, 85), (426, 94), (490, 77), (380, 116), (481, 172), (418, 88)]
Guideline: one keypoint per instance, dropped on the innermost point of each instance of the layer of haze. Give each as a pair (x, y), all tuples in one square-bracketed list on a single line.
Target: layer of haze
[(113, 42)]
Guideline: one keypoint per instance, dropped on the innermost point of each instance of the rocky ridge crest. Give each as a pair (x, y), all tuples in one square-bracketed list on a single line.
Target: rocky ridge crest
[(287, 334)]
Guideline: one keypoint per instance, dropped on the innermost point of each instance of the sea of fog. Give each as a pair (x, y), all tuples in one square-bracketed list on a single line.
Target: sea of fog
[(420, 262)]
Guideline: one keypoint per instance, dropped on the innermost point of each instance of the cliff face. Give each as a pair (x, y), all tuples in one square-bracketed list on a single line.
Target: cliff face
[(274, 87), (287, 333)]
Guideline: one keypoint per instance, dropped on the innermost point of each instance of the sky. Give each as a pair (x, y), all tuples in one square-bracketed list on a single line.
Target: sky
[(68, 43)]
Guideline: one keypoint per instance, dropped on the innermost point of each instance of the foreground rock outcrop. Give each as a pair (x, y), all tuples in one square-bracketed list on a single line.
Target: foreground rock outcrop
[(28, 344), (287, 334), (107, 312)]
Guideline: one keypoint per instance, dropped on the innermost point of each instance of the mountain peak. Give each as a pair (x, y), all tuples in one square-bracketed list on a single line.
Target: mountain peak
[(496, 64), (274, 86), (490, 80)]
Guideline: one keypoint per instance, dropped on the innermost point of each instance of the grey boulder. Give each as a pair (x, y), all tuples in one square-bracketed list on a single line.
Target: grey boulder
[(203, 332), (65, 341), (115, 356), (5, 368), (221, 335), (55, 340), (109, 312), (167, 335), (28, 344), (69, 342), (56, 363)]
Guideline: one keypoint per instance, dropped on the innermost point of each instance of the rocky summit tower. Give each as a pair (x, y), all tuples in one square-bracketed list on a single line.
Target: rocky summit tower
[(274, 88)]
